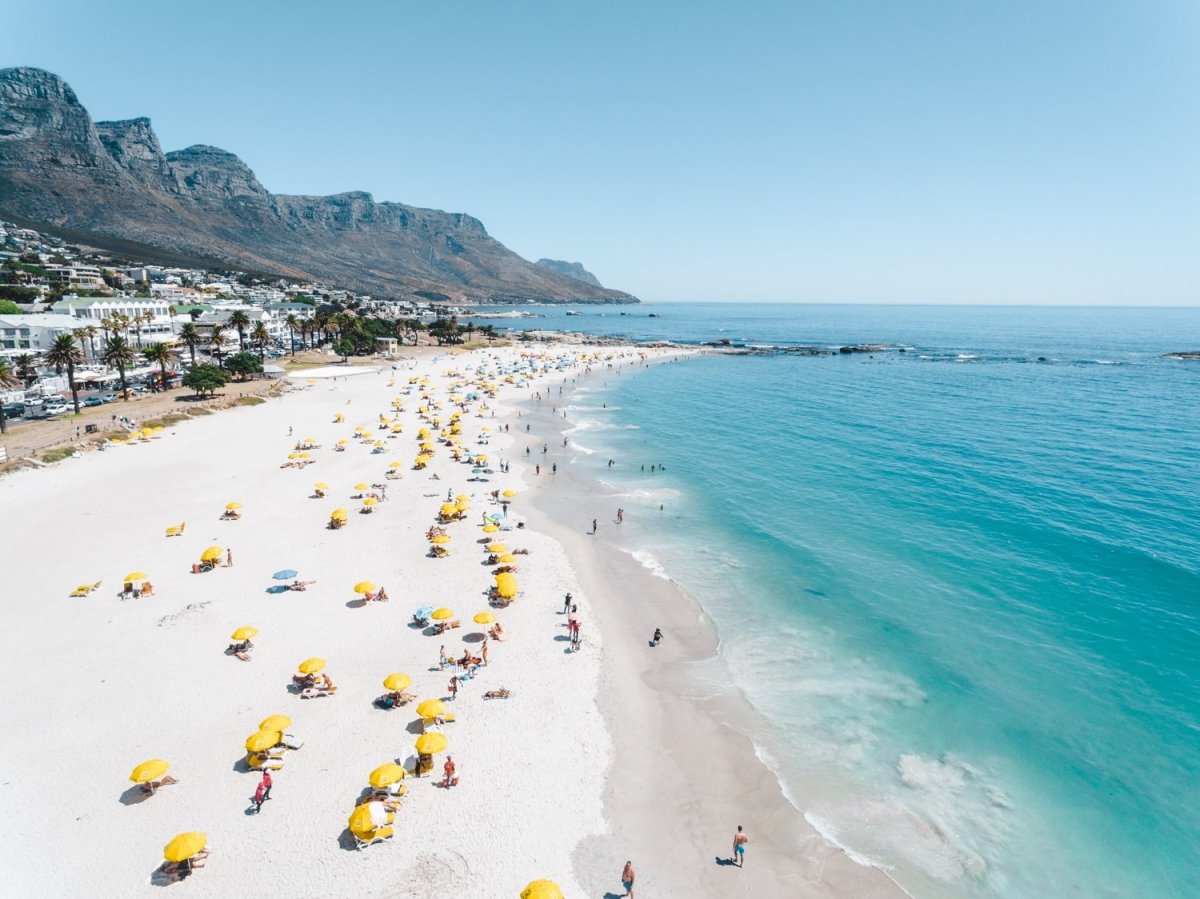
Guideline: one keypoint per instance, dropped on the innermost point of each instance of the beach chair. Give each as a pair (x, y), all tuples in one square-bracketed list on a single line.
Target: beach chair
[(264, 763), (83, 590), (176, 530), (370, 838), (431, 723)]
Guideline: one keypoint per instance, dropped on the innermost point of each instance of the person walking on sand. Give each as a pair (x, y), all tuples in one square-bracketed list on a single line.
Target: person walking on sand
[(229, 557), (442, 656), (483, 652), (739, 847), (620, 516), (627, 879), (453, 687), (449, 769), (262, 792), (567, 604), (595, 526)]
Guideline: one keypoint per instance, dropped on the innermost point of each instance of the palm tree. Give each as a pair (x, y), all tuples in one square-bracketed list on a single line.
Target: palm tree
[(160, 353), (65, 353), (137, 327), (191, 336), (241, 321), (119, 354), (293, 324), (319, 321), (88, 333), (26, 368), (8, 380), (262, 337)]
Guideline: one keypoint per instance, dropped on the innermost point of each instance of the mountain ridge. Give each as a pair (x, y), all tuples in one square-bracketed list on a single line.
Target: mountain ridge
[(109, 184)]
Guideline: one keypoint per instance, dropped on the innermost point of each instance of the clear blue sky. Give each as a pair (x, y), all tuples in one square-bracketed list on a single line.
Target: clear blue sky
[(838, 151)]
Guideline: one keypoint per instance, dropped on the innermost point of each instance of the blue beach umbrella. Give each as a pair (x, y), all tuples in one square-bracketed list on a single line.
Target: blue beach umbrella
[(285, 574), (423, 612)]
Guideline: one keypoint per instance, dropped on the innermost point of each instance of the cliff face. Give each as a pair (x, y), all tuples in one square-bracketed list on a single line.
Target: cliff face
[(111, 185), (571, 270)]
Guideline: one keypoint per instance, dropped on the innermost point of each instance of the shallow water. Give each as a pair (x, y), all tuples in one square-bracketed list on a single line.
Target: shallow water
[(963, 587)]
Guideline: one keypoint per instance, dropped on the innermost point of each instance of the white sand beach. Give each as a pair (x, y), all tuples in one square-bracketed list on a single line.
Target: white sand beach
[(98, 684)]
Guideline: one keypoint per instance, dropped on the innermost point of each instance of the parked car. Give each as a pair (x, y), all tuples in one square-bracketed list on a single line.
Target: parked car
[(57, 407), (14, 410), (108, 397), (92, 401)]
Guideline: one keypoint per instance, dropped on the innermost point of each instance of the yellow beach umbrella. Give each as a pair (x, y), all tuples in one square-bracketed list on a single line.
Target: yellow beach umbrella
[(386, 775), (396, 681), (496, 548), (343, 442), (485, 618), (244, 633), (506, 558), (370, 501), (448, 510), (428, 744), (231, 507), (364, 587), (184, 846), (462, 498), (396, 465), (506, 585), (275, 722), (150, 770), (442, 614), (136, 576), (303, 455), (379, 444), (262, 740), (360, 819), (311, 666), (361, 486), (509, 493), (321, 485), (211, 554), (431, 708), (542, 889), (310, 440), (440, 539), (490, 529)]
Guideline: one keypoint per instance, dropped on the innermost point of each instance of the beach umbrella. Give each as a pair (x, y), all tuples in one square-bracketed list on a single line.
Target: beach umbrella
[(303, 455), (211, 554), (275, 722), (462, 498), (442, 614), (428, 744), (262, 740), (506, 558), (148, 771), (310, 440), (136, 576), (370, 501), (440, 539), (343, 442), (448, 510), (244, 633), (321, 485), (232, 507), (184, 846), (311, 666), (485, 618), (386, 775), (423, 612), (496, 548), (362, 820), (339, 514), (506, 585), (542, 889), (509, 493), (396, 465), (361, 486), (490, 529), (364, 587), (396, 681), (431, 708), (285, 574)]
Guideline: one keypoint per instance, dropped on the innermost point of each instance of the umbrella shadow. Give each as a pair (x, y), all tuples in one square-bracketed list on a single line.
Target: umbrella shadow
[(346, 841), (475, 637), (356, 603), (134, 795), (241, 766), (415, 727), (277, 589)]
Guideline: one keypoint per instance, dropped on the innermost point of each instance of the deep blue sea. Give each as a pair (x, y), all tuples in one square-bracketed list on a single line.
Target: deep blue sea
[(962, 585)]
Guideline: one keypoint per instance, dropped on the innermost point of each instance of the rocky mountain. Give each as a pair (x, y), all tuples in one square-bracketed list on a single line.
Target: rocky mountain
[(110, 185), (571, 270)]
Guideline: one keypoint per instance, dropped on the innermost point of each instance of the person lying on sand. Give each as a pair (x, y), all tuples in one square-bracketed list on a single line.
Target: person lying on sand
[(299, 586), (153, 785), (496, 632), (241, 650), (175, 871), (502, 693)]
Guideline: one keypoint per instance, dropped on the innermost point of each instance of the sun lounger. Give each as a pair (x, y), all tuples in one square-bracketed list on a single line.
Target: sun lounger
[(264, 763), (291, 741), (378, 835), (176, 530), (432, 723)]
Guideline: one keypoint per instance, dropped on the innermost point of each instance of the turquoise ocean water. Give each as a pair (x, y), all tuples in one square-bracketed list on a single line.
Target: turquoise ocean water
[(962, 585)]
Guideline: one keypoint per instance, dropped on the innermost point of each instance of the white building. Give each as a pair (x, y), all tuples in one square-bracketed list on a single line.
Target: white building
[(35, 333), (94, 310)]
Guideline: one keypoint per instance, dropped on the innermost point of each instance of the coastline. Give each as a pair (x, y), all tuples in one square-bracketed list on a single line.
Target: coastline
[(683, 772)]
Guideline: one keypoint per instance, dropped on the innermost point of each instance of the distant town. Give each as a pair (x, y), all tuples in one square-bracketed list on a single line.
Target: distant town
[(79, 327)]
